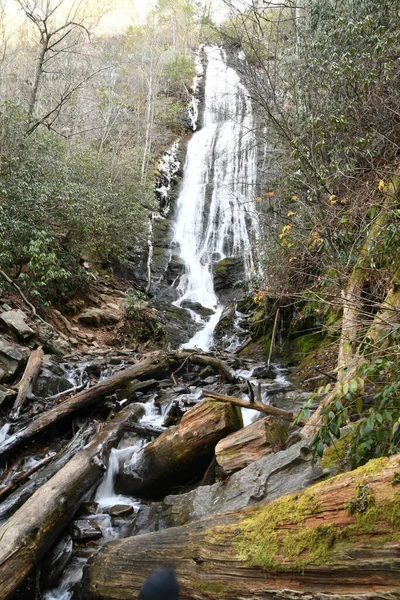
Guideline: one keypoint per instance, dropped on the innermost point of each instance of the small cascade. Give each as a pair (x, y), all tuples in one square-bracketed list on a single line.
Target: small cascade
[(216, 207)]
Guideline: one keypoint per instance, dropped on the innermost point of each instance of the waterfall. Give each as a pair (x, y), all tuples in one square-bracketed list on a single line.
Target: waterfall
[(216, 205)]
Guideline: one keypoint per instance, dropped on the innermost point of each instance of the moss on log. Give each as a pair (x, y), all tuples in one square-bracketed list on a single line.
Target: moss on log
[(339, 538)]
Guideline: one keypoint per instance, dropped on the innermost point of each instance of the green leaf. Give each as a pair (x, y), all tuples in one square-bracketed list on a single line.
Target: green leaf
[(353, 386), (359, 405)]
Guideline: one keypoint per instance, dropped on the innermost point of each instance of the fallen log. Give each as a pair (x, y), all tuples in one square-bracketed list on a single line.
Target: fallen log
[(28, 381), (260, 406), (34, 528), (21, 477), (146, 429), (17, 498), (155, 364), (338, 539), (183, 451), (250, 443), (208, 361)]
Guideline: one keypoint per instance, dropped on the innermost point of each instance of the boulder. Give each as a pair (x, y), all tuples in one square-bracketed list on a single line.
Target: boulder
[(48, 384), (267, 478), (96, 317), (83, 529), (15, 320), (226, 321), (12, 359), (198, 308)]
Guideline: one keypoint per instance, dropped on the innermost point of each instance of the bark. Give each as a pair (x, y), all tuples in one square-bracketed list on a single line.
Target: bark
[(261, 407), (28, 381), (146, 429), (247, 445), (339, 538), (20, 478), (32, 530), (181, 451), (208, 361), (156, 364), (17, 498)]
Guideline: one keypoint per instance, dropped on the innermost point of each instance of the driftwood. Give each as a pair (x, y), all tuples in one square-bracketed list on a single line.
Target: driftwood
[(155, 364), (21, 477), (34, 528), (28, 381), (338, 539), (243, 447), (183, 450), (17, 498), (243, 345), (208, 361), (260, 406), (146, 429)]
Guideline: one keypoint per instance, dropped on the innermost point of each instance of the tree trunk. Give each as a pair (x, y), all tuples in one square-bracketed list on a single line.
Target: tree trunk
[(17, 498), (339, 538), (32, 530), (260, 406), (247, 445), (28, 381), (208, 361), (155, 364), (181, 451)]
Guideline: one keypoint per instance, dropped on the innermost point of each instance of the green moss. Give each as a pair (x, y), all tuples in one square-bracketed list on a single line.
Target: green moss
[(210, 587), (307, 343), (336, 457), (267, 538), (396, 478)]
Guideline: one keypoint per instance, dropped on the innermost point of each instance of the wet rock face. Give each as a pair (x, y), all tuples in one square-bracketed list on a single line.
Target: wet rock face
[(226, 273), (177, 322)]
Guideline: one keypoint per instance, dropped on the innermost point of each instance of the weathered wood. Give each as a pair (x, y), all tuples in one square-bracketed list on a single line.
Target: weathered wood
[(177, 453), (21, 477), (260, 406), (28, 381), (32, 530), (338, 539), (146, 429), (243, 447), (155, 364), (17, 498), (244, 345), (209, 361)]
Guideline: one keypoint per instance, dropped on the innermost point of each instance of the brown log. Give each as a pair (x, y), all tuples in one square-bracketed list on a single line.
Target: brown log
[(209, 361), (28, 381), (32, 530), (17, 498), (155, 364), (338, 539), (260, 406), (244, 345), (250, 443), (182, 451)]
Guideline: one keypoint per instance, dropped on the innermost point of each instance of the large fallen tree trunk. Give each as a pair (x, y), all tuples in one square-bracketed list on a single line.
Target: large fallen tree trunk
[(17, 498), (260, 406), (28, 381), (32, 530), (250, 443), (338, 539), (182, 450), (157, 364)]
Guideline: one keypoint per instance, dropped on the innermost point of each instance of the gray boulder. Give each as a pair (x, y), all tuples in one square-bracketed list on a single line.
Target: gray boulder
[(12, 358), (15, 320), (267, 478)]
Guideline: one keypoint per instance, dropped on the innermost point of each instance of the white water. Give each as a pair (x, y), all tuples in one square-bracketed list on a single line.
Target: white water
[(216, 206), (4, 432)]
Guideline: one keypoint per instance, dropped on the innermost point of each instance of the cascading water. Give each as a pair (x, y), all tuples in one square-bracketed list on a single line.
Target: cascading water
[(216, 205)]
